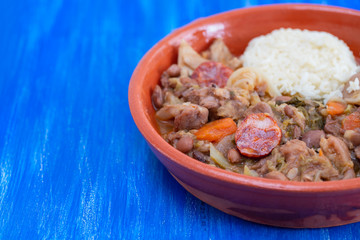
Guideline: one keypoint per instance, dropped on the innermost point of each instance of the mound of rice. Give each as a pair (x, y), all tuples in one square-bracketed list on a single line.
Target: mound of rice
[(313, 64)]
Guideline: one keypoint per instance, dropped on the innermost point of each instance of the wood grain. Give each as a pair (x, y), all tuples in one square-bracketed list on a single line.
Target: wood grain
[(72, 163)]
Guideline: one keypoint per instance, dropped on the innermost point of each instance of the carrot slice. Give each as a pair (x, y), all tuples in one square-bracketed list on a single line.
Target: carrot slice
[(335, 108), (321, 153), (351, 121), (214, 131)]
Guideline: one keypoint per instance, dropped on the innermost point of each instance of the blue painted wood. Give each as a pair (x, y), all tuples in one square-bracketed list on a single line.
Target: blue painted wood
[(72, 163)]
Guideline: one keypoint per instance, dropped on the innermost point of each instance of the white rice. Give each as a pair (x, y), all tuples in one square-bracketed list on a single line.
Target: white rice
[(313, 64), (353, 86)]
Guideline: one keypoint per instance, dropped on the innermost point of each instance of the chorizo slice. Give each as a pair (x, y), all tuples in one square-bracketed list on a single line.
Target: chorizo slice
[(211, 72), (257, 135)]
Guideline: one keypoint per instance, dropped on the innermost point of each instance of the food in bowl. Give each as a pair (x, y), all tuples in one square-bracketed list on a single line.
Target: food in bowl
[(267, 201), (287, 109)]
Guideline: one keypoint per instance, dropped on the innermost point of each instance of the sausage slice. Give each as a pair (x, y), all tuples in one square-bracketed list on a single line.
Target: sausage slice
[(211, 72), (257, 135)]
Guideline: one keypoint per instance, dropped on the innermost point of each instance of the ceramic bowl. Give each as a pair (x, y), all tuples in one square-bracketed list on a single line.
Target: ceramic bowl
[(271, 202)]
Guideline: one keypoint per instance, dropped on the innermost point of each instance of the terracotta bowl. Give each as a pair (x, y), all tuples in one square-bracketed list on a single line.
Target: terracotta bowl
[(271, 202)]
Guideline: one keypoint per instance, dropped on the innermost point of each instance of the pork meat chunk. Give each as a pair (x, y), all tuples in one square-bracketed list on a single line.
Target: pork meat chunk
[(294, 151), (318, 168), (260, 107), (296, 115), (191, 117), (186, 116), (303, 164), (234, 109), (333, 126), (339, 155)]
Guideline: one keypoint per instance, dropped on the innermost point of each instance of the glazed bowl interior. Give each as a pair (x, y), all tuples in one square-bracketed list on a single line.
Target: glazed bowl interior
[(289, 204)]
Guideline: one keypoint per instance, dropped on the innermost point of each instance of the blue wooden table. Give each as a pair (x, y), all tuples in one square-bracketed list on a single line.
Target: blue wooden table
[(72, 163)]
